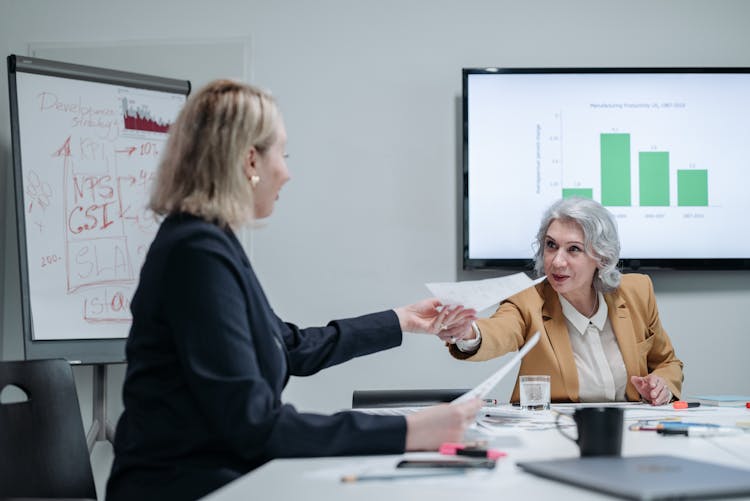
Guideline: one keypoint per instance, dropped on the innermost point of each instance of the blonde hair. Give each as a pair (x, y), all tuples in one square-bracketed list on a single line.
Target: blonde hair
[(202, 169)]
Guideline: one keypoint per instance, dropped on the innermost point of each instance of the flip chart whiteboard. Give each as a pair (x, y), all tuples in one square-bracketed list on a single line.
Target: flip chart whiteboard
[(86, 145)]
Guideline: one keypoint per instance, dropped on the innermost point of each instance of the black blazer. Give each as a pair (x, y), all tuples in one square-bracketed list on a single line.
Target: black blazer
[(207, 361)]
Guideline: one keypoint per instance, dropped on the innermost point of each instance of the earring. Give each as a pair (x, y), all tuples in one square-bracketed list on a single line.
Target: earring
[(254, 180)]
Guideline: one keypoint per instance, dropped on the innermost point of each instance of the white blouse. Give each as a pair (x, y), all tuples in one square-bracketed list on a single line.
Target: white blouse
[(602, 376)]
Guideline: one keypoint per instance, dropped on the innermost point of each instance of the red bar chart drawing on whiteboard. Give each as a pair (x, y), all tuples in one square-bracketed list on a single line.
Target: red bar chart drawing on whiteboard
[(139, 118)]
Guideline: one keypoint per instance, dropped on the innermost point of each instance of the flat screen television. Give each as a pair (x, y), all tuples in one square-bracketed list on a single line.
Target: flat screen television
[(666, 150)]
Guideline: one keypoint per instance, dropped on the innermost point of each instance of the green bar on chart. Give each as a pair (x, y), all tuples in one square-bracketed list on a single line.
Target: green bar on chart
[(615, 169), (653, 178), (692, 188), (578, 192)]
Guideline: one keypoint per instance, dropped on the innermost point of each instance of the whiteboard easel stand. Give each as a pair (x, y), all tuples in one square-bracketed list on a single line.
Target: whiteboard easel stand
[(101, 430)]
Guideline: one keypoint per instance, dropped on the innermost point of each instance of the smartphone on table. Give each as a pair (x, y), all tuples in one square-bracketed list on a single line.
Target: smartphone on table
[(446, 463)]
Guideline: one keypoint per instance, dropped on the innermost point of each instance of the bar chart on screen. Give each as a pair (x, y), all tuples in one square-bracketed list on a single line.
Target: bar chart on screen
[(632, 169), (660, 149)]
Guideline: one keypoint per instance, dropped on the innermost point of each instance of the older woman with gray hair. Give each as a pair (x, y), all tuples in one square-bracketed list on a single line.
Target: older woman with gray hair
[(602, 339)]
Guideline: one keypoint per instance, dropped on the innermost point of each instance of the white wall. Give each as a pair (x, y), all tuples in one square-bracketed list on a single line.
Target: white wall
[(370, 95)]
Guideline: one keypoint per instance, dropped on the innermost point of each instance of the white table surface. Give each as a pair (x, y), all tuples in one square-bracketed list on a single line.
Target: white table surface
[(319, 478)]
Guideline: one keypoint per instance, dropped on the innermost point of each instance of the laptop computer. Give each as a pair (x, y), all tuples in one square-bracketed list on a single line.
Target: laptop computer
[(646, 477)]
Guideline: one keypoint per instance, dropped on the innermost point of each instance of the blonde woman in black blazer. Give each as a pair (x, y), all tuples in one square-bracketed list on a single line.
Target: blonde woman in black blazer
[(207, 356)]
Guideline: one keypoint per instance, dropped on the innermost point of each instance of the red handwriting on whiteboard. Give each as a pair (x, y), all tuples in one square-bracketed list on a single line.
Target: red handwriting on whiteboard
[(129, 150), (92, 149), (135, 187), (38, 192), (98, 261), (64, 150), (102, 260), (147, 149), (92, 217), (83, 115), (92, 188), (93, 195), (50, 260), (107, 305)]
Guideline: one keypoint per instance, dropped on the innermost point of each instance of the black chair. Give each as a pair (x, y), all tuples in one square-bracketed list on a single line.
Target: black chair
[(362, 399), (43, 451)]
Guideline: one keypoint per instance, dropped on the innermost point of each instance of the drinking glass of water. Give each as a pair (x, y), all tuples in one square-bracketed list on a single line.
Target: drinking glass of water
[(535, 394)]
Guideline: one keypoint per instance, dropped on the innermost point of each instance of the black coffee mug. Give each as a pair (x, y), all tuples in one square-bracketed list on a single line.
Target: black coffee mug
[(599, 430)]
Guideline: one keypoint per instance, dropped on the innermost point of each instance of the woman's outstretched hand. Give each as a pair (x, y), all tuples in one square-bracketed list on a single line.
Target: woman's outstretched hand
[(431, 317)]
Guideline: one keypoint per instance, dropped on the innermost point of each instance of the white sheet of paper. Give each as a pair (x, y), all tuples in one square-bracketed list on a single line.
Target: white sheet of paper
[(480, 294), (484, 388)]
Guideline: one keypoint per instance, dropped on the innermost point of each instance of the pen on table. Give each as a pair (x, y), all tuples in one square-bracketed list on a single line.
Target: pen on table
[(681, 404), (672, 425), (643, 427), (683, 424), (348, 479), (489, 402), (701, 431)]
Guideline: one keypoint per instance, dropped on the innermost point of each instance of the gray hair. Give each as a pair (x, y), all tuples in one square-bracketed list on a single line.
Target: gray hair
[(601, 241)]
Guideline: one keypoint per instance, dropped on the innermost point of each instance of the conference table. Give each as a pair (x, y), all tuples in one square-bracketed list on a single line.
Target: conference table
[(535, 438)]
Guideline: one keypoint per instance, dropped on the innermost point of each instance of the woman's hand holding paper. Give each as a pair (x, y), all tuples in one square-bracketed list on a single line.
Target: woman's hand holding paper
[(431, 317)]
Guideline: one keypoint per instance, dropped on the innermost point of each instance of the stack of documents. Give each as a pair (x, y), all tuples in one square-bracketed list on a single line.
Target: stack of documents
[(721, 400)]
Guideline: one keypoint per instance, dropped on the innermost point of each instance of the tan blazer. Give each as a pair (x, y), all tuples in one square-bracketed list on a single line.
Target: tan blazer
[(644, 344)]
